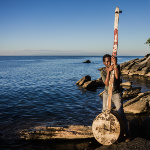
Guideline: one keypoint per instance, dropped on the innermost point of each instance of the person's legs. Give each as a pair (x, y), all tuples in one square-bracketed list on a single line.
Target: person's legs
[(116, 98), (105, 97)]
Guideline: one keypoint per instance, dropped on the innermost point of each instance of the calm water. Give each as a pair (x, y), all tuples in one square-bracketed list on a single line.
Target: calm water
[(42, 91)]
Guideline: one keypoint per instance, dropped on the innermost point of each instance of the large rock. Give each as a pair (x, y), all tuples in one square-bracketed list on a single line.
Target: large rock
[(127, 65), (90, 85), (83, 80), (139, 104), (86, 83), (100, 82), (137, 66)]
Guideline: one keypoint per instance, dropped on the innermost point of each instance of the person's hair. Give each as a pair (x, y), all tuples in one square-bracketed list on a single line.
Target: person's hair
[(106, 55)]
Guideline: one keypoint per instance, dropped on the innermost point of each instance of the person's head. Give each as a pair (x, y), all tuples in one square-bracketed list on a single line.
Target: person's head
[(107, 60)]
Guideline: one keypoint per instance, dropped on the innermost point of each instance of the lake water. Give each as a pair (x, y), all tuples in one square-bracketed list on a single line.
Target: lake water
[(42, 90)]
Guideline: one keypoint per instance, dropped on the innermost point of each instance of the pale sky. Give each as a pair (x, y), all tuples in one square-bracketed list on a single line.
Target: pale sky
[(73, 27)]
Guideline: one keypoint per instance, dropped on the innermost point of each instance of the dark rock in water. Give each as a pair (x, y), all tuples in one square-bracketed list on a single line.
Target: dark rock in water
[(83, 80), (87, 61), (86, 83), (90, 85), (100, 82)]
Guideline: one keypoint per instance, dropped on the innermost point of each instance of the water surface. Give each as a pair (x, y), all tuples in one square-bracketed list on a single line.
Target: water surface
[(42, 90)]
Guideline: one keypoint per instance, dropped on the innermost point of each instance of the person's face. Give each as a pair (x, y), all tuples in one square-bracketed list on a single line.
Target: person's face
[(107, 62)]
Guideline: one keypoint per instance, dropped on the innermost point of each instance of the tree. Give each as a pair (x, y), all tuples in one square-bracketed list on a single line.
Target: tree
[(148, 41)]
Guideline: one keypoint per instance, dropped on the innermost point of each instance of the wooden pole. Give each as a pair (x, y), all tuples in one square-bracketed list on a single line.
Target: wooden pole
[(108, 127), (114, 53)]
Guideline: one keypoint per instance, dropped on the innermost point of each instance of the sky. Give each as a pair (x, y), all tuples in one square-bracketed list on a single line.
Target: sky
[(73, 27)]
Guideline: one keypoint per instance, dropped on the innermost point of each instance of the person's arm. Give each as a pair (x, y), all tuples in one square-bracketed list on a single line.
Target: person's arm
[(116, 71), (106, 82)]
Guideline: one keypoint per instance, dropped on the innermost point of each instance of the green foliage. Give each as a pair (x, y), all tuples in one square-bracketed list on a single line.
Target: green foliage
[(148, 41)]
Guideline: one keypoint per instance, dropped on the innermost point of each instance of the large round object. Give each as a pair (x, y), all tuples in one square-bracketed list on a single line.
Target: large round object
[(108, 127)]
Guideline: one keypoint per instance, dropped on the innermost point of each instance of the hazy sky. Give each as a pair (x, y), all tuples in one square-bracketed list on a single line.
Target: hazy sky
[(73, 27)]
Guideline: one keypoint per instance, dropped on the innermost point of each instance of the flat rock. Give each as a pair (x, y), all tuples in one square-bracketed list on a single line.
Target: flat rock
[(137, 105), (49, 133), (136, 108), (126, 83)]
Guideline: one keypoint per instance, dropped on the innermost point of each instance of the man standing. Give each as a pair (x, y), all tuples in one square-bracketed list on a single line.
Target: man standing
[(116, 93)]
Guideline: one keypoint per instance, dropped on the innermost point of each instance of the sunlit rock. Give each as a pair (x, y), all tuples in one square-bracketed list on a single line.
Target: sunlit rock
[(139, 104), (83, 80)]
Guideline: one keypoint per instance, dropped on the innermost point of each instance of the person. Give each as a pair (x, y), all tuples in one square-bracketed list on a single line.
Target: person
[(116, 92)]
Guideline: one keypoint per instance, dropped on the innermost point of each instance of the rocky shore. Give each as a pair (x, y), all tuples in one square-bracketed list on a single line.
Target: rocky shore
[(136, 106), (137, 66), (136, 102)]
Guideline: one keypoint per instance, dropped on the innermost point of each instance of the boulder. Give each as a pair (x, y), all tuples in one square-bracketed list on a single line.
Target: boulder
[(136, 108), (139, 104), (100, 82), (86, 83), (90, 85), (128, 63), (87, 61), (83, 80)]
